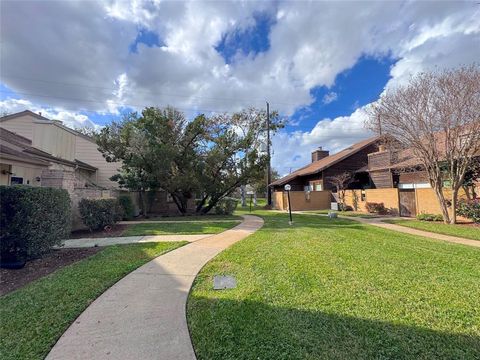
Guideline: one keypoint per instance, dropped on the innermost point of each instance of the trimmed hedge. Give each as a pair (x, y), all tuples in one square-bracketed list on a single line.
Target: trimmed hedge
[(32, 220), (470, 209), (96, 214), (429, 217), (126, 203), (225, 206), (376, 208)]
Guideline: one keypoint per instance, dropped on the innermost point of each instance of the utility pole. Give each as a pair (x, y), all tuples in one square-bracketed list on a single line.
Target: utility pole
[(269, 170)]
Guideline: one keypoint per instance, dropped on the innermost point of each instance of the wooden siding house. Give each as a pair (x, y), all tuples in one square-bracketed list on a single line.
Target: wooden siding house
[(312, 186), (316, 176), (404, 173)]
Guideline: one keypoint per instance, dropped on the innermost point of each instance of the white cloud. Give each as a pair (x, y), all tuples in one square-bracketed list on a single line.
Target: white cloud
[(330, 97), (71, 119), (292, 150), (72, 56)]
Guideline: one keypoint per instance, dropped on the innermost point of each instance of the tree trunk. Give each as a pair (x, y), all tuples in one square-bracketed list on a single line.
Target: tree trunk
[(143, 202), (181, 202), (211, 204), (467, 189), (453, 218), (441, 200), (243, 195), (200, 204)]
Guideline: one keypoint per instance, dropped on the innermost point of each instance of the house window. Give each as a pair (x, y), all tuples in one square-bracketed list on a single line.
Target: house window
[(362, 195), (15, 180), (318, 187), (169, 198)]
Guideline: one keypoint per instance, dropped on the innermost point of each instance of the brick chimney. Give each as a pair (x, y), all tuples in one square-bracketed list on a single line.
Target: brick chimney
[(319, 154)]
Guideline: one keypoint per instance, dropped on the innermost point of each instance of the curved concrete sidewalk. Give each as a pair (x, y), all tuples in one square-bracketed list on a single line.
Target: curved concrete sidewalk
[(379, 223), (92, 242), (143, 315), (454, 239)]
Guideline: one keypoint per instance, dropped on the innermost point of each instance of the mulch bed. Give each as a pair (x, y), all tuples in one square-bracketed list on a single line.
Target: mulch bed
[(13, 279), (116, 230), (471, 224)]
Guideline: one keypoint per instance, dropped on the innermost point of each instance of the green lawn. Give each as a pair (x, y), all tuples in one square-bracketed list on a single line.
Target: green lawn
[(35, 316), (180, 228), (261, 202), (338, 289), (195, 218), (468, 232)]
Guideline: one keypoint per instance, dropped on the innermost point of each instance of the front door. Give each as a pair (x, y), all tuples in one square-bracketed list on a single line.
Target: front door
[(407, 203)]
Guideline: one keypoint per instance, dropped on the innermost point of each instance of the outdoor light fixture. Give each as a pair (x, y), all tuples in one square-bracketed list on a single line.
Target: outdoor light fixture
[(287, 189), (251, 198)]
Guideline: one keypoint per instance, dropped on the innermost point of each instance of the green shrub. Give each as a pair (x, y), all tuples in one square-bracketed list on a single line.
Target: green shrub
[(470, 209), (225, 206), (32, 220), (98, 213), (376, 208), (429, 217), (126, 203)]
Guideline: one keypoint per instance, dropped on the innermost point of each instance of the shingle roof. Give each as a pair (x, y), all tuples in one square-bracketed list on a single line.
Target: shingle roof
[(326, 162), (85, 166), (7, 152), (21, 147)]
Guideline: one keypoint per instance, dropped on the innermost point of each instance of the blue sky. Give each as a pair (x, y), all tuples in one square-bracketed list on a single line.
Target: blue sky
[(318, 63), (353, 88)]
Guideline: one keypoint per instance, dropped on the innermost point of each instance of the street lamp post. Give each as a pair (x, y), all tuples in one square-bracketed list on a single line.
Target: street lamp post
[(287, 189)]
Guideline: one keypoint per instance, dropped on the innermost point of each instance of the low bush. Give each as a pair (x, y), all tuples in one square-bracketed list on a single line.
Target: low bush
[(126, 203), (98, 213), (470, 209), (225, 206), (429, 217), (32, 220), (376, 208)]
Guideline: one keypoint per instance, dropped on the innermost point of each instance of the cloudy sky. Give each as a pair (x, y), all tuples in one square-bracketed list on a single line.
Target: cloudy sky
[(319, 63)]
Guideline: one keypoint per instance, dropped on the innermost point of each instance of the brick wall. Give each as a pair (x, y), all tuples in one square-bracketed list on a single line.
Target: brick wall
[(59, 179), (301, 200), (389, 198), (427, 202)]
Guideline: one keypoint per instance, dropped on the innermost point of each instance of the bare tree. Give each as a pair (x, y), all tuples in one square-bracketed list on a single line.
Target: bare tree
[(437, 117), (341, 182)]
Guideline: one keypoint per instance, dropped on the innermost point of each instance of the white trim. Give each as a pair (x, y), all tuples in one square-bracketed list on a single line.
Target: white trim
[(414, 186)]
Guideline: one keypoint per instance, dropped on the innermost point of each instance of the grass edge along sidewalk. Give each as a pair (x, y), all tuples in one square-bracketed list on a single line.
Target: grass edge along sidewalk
[(458, 230), (35, 316), (337, 289)]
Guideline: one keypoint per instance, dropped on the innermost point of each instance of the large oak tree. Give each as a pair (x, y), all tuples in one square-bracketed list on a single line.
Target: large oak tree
[(206, 158)]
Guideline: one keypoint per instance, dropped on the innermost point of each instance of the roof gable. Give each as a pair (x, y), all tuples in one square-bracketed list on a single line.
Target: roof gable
[(327, 162)]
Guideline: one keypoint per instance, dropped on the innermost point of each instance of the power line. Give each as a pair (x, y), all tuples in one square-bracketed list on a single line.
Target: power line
[(110, 102), (145, 91)]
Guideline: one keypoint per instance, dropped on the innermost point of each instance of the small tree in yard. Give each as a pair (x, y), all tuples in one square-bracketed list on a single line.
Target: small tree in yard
[(341, 182), (437, 116)]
